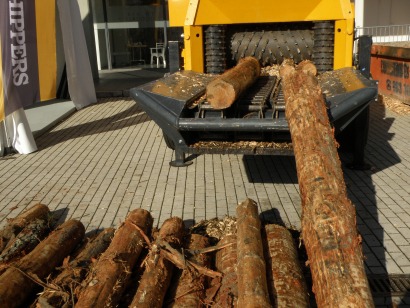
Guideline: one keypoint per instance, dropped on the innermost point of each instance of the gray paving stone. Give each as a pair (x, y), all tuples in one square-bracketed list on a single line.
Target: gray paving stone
[(109, 158)]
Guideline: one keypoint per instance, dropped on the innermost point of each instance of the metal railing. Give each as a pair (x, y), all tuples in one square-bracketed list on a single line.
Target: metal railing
[(386, 34)]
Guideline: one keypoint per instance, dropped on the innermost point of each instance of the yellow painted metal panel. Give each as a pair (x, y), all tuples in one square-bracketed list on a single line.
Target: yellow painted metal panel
[(260, 11), (191, 12), (2, 115), (343, 49), (46, 45), (193, 53)]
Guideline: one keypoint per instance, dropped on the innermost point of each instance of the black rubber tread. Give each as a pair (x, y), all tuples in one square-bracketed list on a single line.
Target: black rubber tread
[(214, 53), (215, 41), (323, 55), (272, 47), (323, 50), (215, 63), (211, 59), (322, 67), (323, 37), (214, 30), (215, 49)]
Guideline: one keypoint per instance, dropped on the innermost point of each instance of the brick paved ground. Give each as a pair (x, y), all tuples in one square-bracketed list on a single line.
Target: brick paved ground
[(109, 158)]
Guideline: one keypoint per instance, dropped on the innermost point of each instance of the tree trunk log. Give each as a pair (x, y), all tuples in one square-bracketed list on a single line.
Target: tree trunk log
[(190, 285), (287, 285), (225, 262), (108, 277), (252, 284), (224, 90), (73, 274), (15, 284), (329, 218), (157, 276), (25, 241), (15, 225)]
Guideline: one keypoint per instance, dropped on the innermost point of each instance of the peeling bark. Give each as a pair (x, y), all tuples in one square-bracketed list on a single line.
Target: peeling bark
[(225, 262), (329, 219), (15, 225), (69, 280), (108, 277), (287, 285), (16, 285), (190, 285), (252, 285), (25, 241), (157, 276)]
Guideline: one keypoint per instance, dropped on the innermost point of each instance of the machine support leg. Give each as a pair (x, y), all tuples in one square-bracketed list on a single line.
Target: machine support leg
[(180, 159)]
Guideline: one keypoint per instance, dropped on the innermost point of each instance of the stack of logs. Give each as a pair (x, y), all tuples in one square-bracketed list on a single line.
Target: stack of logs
[(329, 228), (135, 266), (256, 266)]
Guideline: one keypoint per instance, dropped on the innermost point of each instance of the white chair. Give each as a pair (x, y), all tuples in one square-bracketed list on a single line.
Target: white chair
[(158, 52)]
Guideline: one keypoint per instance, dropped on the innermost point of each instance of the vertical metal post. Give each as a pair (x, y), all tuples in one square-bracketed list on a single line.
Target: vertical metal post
[(174, 56), (107, 35), (364, 54)]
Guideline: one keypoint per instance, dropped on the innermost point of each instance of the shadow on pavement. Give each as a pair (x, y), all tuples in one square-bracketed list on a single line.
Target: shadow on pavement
[(129, 117)]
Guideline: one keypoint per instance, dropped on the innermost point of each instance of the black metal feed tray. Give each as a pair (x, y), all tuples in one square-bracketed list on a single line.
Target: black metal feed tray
[(255, 123)]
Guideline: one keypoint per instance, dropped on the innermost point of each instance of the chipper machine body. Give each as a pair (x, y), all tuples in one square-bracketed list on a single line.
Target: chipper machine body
[(217, 34)]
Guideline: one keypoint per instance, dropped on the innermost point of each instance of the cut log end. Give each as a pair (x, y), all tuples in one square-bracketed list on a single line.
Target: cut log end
[(221, 95), (224, 90), (287, 67), (308, 67)]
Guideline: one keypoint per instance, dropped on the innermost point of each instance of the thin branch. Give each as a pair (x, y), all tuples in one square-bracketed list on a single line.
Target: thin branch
[(209, 249), (38, 280), (176, 257), (147, 240)]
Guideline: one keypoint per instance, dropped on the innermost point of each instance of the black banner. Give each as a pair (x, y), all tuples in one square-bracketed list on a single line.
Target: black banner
[(19, 54)]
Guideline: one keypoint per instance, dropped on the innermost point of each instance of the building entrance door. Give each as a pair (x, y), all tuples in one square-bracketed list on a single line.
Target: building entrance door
[(126, 30)]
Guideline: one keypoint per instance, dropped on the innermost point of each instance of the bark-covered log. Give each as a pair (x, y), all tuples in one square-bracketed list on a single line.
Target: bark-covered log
[(189, 285), (224, 90), (25, 241), (252, 285), (328, 219), (16, 285), (286, 283), (15, 225), (109, 275), (225, 262), (157, 276), (93, 248), (69, 280)]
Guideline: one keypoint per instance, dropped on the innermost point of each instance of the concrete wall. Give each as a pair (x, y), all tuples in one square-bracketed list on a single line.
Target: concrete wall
[(371, 13)]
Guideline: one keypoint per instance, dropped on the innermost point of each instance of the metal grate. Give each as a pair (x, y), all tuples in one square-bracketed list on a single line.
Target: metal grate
[(394, 285)]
